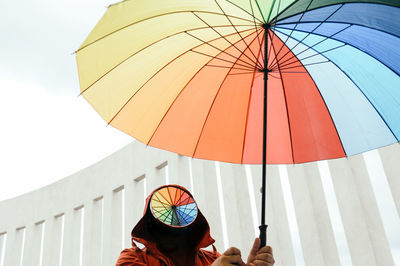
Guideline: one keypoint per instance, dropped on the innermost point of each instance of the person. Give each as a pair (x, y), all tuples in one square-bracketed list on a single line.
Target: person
[(177, 238)]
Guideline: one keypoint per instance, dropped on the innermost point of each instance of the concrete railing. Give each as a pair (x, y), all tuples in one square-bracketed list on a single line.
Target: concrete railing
[(340, 212)]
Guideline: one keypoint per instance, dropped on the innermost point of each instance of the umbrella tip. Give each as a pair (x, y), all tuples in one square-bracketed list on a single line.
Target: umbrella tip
[(266, 26), (264, 70)]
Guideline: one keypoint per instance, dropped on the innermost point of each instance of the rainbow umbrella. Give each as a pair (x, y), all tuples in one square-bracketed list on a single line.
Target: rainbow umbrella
[(248, 81)]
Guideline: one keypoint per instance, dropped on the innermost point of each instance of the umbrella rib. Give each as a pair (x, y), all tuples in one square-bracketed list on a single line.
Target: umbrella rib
[(286, 106), (156, 209), (272, 39), (314, 8), (275, 77), (242, 73), (340, 22), (172, 200), (223, 37), (152, 17), (270, 10), (255, 26), (259, 9), (302, 65), (248, 109), (219, 59), (169, 213), (180, 196), (309, 33), (286, 8), (183, 218), (208, 114), (165, 199), (159, 200), (243, 39), (234, 68), (284, 43), (310, 56), (209, 110), (185, 213), (166, 37), (293, 72), (163, 214), (180, 94), (223, 51), (230, 2), (186, 203)]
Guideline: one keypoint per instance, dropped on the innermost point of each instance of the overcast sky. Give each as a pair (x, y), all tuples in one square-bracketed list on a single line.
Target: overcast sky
[(47, 132)]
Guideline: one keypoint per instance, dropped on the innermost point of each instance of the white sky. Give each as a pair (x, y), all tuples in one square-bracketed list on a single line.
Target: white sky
[(47, 132)]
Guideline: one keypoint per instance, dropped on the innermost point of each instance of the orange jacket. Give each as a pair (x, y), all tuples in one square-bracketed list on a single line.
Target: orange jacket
[(151, 255)]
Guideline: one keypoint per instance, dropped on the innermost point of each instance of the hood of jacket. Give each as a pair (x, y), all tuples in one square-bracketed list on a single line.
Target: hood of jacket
[(142, 232)]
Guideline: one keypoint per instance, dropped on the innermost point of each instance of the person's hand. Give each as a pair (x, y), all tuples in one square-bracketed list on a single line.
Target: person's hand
[(260, 256), (230, 257)]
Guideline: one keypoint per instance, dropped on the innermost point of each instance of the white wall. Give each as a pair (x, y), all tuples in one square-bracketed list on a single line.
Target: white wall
[(86, 218)]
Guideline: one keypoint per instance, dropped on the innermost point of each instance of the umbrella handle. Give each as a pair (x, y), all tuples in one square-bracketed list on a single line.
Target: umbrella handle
[(263, 235)]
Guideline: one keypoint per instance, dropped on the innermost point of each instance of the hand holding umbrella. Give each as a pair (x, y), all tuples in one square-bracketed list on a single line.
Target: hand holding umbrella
[(258, 256)]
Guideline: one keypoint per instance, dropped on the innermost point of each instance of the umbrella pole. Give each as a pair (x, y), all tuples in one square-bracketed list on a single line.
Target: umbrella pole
[(263, 226)]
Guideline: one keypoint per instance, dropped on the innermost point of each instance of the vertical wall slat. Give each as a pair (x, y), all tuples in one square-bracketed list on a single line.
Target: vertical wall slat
[(361, 219), (72, 232), (32, 246), (92, 236), (315, 228), (52, 241), (107, 228), (112, 240), (256, 175), (390, 159), (3, 239), (278, 234), (237, 207), (384, 200), (179, 172), (206, 198), (134, 206), (156, 176), (13, 254)]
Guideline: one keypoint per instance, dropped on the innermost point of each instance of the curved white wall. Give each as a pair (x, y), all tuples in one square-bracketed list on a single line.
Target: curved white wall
[(325, 213)]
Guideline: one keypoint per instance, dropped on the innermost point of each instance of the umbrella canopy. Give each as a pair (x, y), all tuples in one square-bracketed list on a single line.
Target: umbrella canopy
[(248, 81), (187, 76)]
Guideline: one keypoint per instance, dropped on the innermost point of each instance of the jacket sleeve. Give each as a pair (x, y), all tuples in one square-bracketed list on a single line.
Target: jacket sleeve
[(131, 257), (208, 257)]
